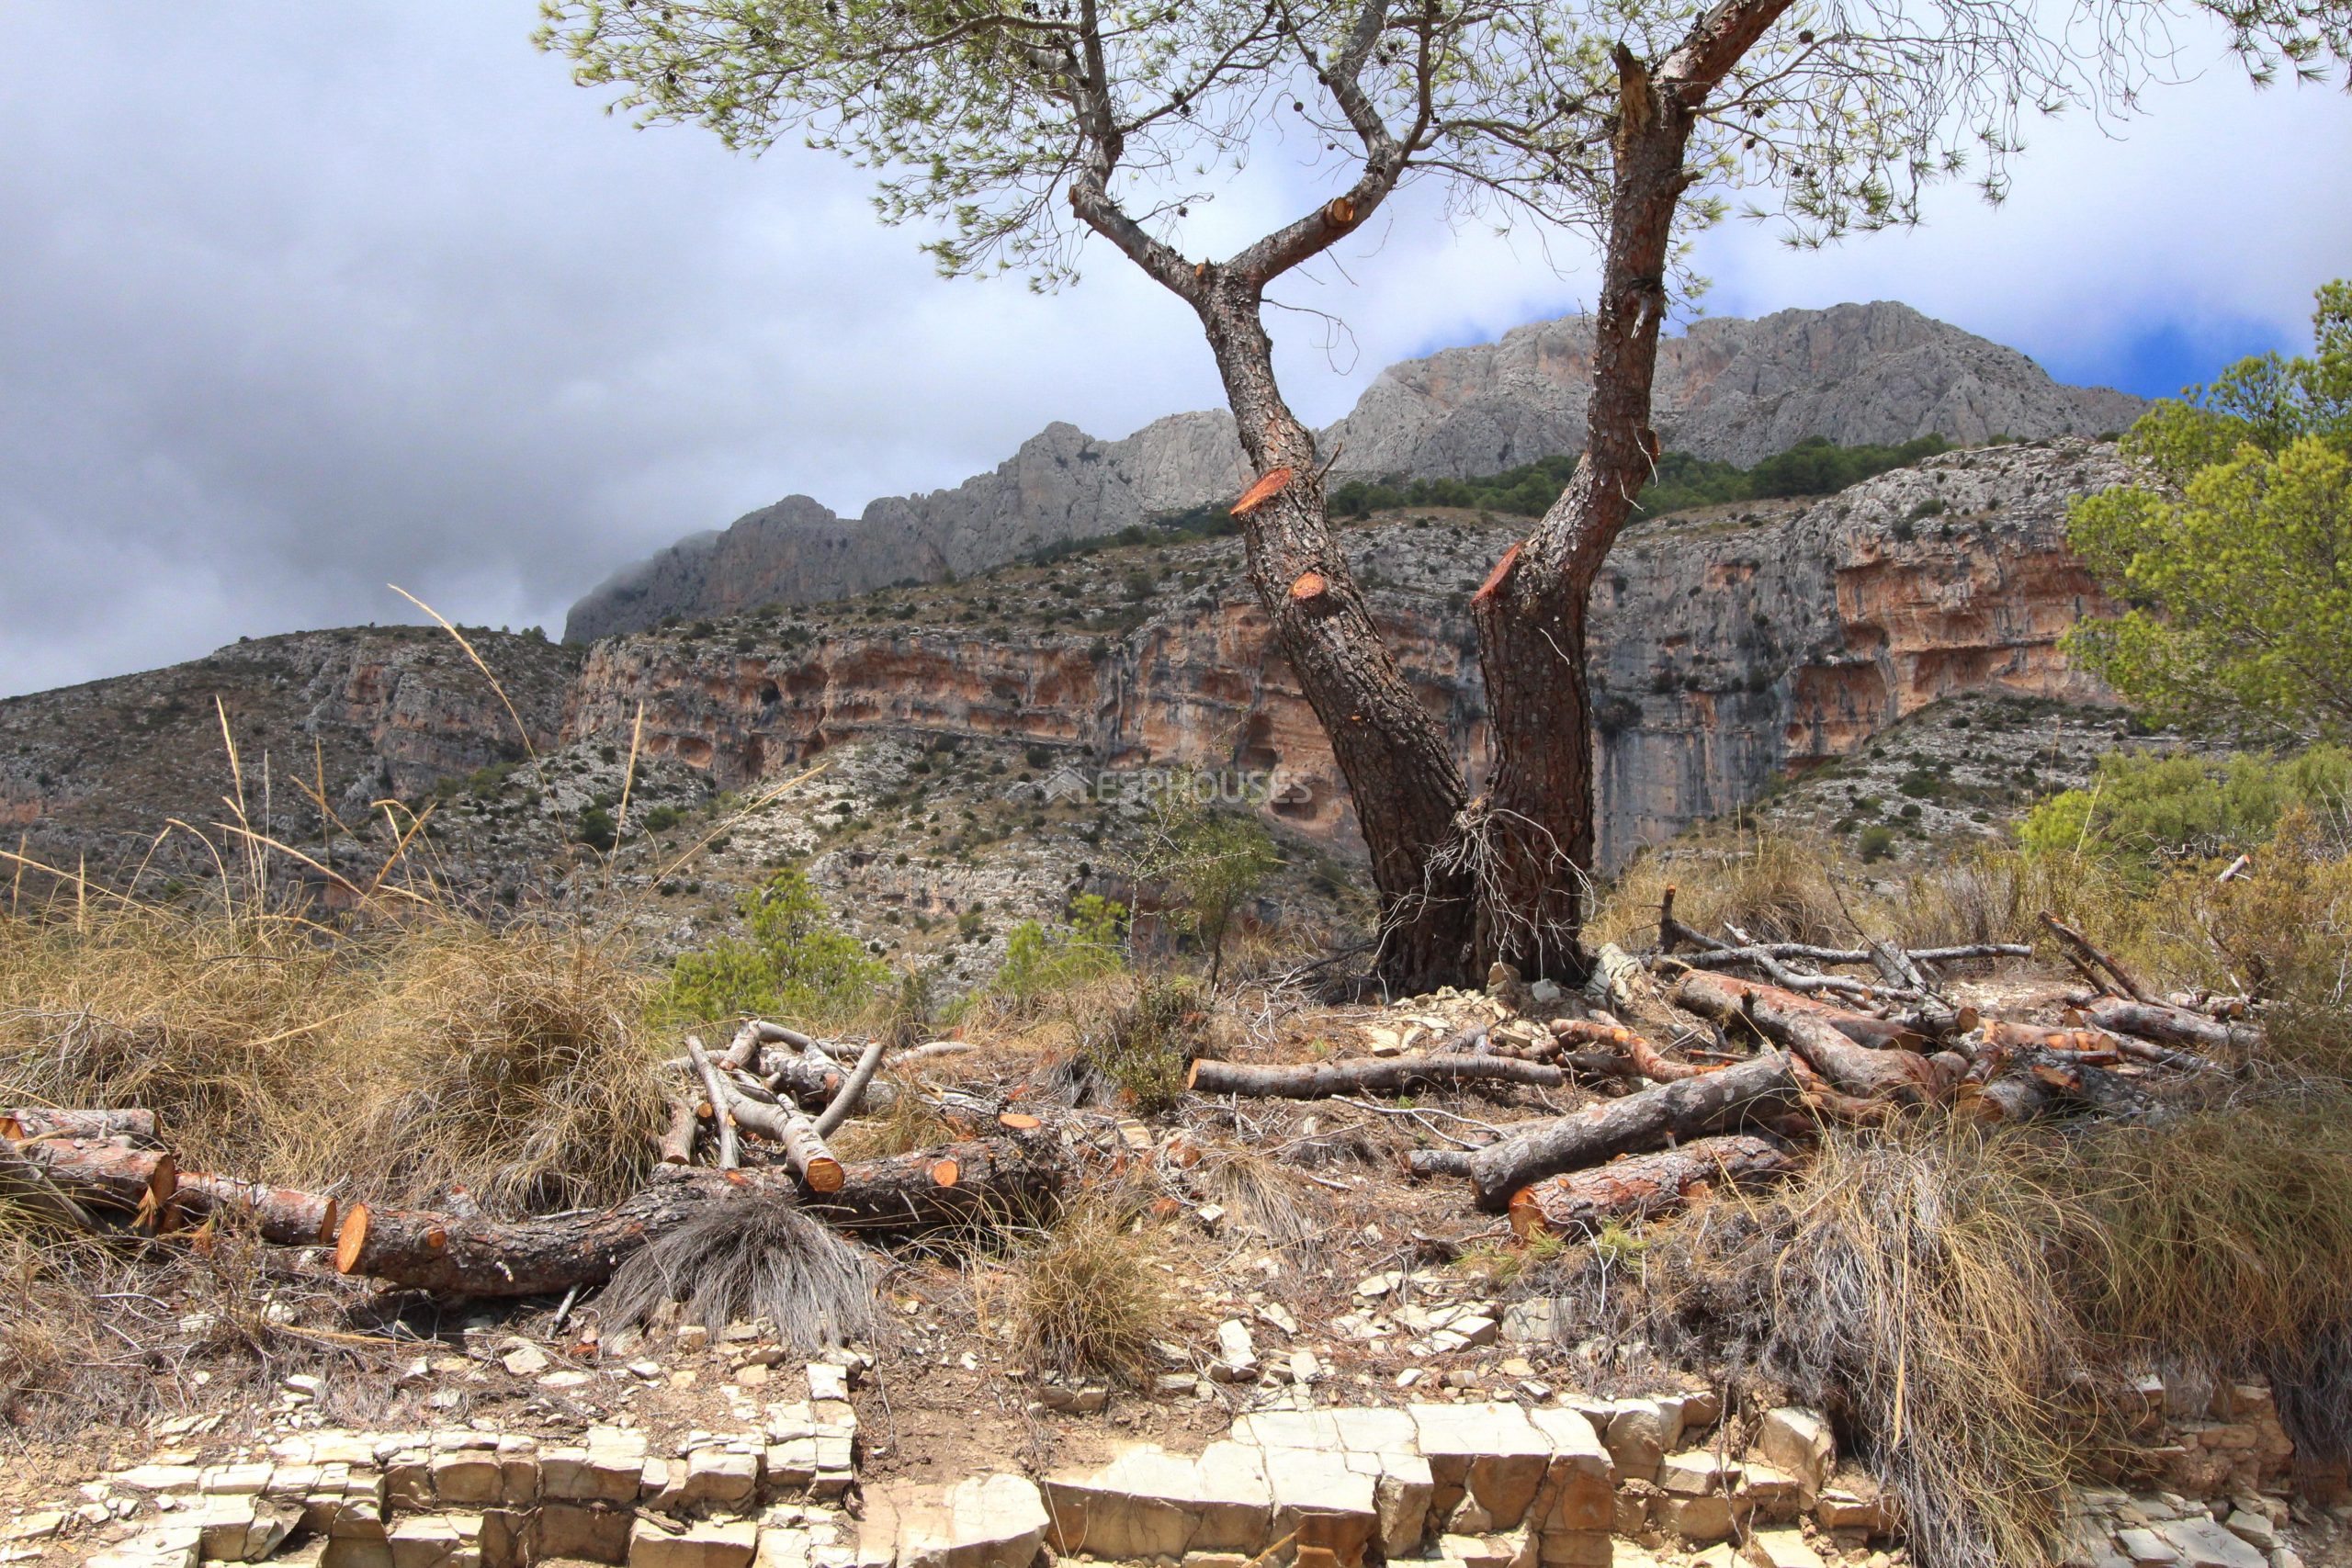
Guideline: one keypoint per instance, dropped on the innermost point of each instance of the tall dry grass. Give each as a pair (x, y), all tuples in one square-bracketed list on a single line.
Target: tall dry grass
[(1774, 886), (393, 1060)]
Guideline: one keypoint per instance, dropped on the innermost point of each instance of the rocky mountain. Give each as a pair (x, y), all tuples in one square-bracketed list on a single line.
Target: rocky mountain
[(93, 772), (1738, 390), (1735, 649)]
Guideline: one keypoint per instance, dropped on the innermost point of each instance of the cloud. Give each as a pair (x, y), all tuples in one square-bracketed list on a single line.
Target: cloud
[(297, 306)]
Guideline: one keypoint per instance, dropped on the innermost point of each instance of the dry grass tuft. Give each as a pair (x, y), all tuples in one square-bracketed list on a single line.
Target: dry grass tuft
[(1773, 886), (912, 1122), (1906, 1286), (2205, 1237), (402, 1058), (509, 1062), (1271, 1198), (1090, 1297), (755, 1256)]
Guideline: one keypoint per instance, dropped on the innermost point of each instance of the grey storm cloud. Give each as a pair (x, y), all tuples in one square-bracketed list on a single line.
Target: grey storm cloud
[(299, 300)]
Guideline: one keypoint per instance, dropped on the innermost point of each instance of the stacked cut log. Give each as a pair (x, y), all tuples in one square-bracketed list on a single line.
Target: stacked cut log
[(1641, 1187)]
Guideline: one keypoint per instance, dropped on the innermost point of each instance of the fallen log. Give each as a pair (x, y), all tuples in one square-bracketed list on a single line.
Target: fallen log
[(958, 1185), (110, 1175), (1368, 1075), (1879, 1033), (1852, 1069), (2083, 1045), (804, 1146), (675, 1142), (1641, 1120), (846, 1102), (2032, 1083), (713, 1084), (1646, 1059), (2169, 1025), (1642, 1187), (42, 1122), (280, 1215)]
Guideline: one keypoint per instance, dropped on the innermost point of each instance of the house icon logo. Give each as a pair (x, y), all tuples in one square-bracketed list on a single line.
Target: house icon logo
[(1066, 783)]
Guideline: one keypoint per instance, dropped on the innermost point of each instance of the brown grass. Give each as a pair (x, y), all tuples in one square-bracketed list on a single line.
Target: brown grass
[(402, 1059), (1906, 1286), (1090, 1297), (1774, 886)]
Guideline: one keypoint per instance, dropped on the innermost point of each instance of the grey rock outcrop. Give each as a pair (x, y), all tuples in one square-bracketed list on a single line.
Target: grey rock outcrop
[(1735, 390), (1738, 390)]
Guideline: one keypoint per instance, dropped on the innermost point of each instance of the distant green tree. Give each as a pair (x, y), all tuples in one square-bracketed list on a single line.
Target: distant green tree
[(792, 962), (2149, 809), (2234, 563), (1215, 859)]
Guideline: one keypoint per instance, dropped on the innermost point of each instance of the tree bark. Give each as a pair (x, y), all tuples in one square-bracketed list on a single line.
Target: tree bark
[(138, 1127), (107, 1174), (282, 1216), (1642, 1120), (1371, 1075), (2169, 1025), (1899, 1075), (1642, 1187), (1399, 764), (958, 1185), (1646, 1058)]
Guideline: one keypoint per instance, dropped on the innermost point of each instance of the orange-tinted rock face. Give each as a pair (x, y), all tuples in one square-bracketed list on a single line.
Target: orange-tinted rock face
[(1723, 655)]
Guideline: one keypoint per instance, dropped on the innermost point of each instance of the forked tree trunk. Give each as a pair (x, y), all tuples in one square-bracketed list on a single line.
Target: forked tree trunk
[(1399, 762)]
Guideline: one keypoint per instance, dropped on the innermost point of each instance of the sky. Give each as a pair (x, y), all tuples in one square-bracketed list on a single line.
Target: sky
[(298, 302)]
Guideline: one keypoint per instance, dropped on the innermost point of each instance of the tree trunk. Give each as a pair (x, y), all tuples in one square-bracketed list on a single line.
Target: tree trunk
[(282, 1216), (1641, 1187), (108, 1174), (1399, 763), (137, 1127), (1642, 1120), (2170, 1025), (1532, 830)]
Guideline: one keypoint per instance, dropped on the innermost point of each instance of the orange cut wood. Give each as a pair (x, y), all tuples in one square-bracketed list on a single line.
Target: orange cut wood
[(1258, 494), (824, 1175), (1341, 212), (1019, 1121), (1489, 589), (350, 1238), (944, 1173), (1310, 585)]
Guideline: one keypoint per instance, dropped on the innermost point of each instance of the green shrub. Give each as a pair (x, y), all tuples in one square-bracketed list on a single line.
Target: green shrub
[(596, 830), (1146, 1046), (1039, 959), (795, 963), (2147, 808), (1877, 841)]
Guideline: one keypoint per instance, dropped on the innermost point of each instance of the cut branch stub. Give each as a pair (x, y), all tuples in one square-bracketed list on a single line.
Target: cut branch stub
[(1310, 586), (1264, 490), (1496, 578), (1340, 212)]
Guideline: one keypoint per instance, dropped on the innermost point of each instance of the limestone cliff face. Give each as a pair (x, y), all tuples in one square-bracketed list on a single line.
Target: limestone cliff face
[(1728, 650), (1733, 390)]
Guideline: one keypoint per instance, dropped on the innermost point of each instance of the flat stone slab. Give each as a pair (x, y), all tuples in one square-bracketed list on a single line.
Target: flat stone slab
[(986, 1521)]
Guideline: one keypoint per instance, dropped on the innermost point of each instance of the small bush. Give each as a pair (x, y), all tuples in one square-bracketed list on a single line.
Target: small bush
[(1040, 959), (1146, 1046), (1774, 886), (2145, 809), (795, 963), (1091, 1298)]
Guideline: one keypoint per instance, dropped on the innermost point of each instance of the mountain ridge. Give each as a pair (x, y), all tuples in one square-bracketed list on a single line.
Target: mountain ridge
[(1729, 388)]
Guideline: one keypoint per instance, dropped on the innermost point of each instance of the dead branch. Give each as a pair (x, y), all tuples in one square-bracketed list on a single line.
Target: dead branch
[(715, 1086), (1642, 1120), (2081, 945), (1369, 1075)]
